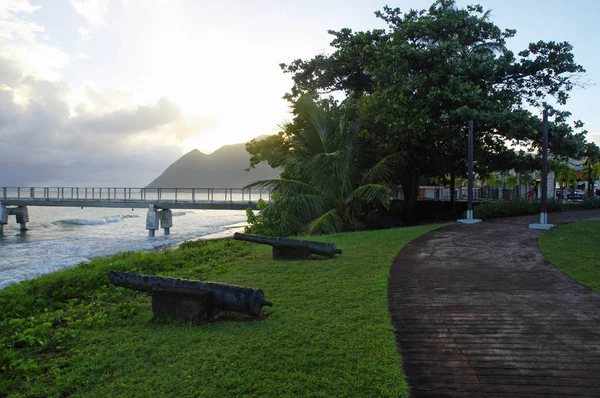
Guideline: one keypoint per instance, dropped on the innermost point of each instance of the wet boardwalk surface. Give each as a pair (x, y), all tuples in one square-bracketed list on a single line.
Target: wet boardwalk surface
[(479, 312)]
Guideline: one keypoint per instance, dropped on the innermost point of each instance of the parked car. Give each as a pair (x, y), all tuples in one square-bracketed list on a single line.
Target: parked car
[(578, 194)]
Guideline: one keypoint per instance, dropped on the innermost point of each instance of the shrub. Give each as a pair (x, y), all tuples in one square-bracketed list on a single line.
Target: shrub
[(272, 221), (45, 314), (522, 207)]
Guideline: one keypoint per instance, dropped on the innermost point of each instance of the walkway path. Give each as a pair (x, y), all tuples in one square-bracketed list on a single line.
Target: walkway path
[(480, 312)]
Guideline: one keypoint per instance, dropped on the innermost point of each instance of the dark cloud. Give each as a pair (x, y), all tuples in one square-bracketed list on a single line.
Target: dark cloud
[(121, 167), (42, 142)]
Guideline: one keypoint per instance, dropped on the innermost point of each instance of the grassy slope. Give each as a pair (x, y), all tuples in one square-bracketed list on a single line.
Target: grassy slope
[(328, 333), (574, 249)]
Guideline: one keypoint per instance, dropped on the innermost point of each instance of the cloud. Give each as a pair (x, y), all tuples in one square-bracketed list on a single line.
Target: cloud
[(84, 34), (19, 41), (93, 11), (126, 121), (53, 132), (594, 137), (104, 138), (13, 27), (10, 74), (192, 126)]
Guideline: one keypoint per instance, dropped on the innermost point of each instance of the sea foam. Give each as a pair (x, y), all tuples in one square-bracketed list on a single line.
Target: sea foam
[(95, 221)]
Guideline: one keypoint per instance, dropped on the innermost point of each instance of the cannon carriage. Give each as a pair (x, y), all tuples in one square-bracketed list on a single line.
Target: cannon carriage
[(192, 300), (291, 249)]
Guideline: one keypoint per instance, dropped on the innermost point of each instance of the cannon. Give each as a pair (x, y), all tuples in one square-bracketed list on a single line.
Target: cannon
[(291, 249), (191, 299)]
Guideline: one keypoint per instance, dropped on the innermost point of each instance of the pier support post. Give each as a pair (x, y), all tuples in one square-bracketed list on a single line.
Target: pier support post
[(3, 218), (152, 219), (166, 220), (22, 215)]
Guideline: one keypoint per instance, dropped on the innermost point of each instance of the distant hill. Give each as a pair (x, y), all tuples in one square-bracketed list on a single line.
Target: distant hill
[(224, 168)]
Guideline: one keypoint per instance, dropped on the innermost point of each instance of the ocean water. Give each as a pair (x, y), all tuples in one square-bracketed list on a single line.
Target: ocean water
[(62, 237)]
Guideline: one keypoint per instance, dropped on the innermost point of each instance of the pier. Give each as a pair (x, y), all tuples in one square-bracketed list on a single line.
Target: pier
[(158, 201)]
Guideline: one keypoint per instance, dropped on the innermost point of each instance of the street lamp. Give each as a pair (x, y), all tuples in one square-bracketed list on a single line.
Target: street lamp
[(470, 219), (544, 200)]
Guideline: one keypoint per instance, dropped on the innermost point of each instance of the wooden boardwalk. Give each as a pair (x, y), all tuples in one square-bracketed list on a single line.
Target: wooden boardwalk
[(479, 312)]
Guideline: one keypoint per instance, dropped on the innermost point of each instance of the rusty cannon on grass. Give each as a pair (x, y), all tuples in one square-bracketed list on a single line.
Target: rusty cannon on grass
[(291, 249), (191, 300)]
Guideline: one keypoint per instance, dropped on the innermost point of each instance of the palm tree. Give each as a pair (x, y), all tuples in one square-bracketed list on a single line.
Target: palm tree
[(557, 167), (492, 182), (525, 179), (567, 177), (460, 182), (323, 182), (511, 181), (593, 154), (591, 173)]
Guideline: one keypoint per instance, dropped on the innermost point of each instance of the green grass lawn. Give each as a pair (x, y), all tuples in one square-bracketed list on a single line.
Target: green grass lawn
[(328, 333), (574, 249)]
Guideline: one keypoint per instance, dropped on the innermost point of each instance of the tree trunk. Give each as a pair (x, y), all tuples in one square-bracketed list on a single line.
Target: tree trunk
[(589, 195), (452, 193)]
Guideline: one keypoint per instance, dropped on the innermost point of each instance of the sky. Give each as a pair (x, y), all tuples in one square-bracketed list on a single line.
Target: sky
[(110, 92)]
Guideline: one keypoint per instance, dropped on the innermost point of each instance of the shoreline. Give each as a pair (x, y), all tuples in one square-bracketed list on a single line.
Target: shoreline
[(205, 238), (227, 233)]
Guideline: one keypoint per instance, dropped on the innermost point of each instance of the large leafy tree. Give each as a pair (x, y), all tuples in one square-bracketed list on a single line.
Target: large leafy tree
[(419, 81), (325, 180)]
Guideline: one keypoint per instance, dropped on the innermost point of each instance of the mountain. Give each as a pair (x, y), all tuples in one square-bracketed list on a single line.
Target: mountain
[(224, 168)]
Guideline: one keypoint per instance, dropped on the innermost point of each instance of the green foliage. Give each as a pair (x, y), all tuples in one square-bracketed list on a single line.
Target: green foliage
[(566, 176), (594, 174), (420, 80), (491, 181), (328, 333), (521, 207), (574, 249), (324, 182), (45, 315), (272, 220), (10, 361), (561, 171)]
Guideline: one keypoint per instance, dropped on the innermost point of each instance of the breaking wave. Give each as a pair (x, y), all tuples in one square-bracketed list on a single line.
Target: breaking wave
[(95, 221)]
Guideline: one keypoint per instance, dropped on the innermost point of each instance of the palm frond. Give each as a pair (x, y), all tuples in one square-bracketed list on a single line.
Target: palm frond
[(306, 207), (382, 171), (371, 194), (331, 173), (284, 186), (318, 137), (327, 223)]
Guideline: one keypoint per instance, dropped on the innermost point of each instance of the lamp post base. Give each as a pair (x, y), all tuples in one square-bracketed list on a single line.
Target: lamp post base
[(543, 224), (469, 219)]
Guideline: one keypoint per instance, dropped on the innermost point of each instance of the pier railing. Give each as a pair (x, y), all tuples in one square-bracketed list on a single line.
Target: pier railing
[(191, 195), (211, 195)]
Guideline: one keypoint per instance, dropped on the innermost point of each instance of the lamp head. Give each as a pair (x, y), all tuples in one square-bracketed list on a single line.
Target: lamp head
[(551, 112)]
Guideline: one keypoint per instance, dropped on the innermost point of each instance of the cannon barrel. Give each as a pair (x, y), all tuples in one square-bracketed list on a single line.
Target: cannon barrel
[(321, 248), (226, 297)]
